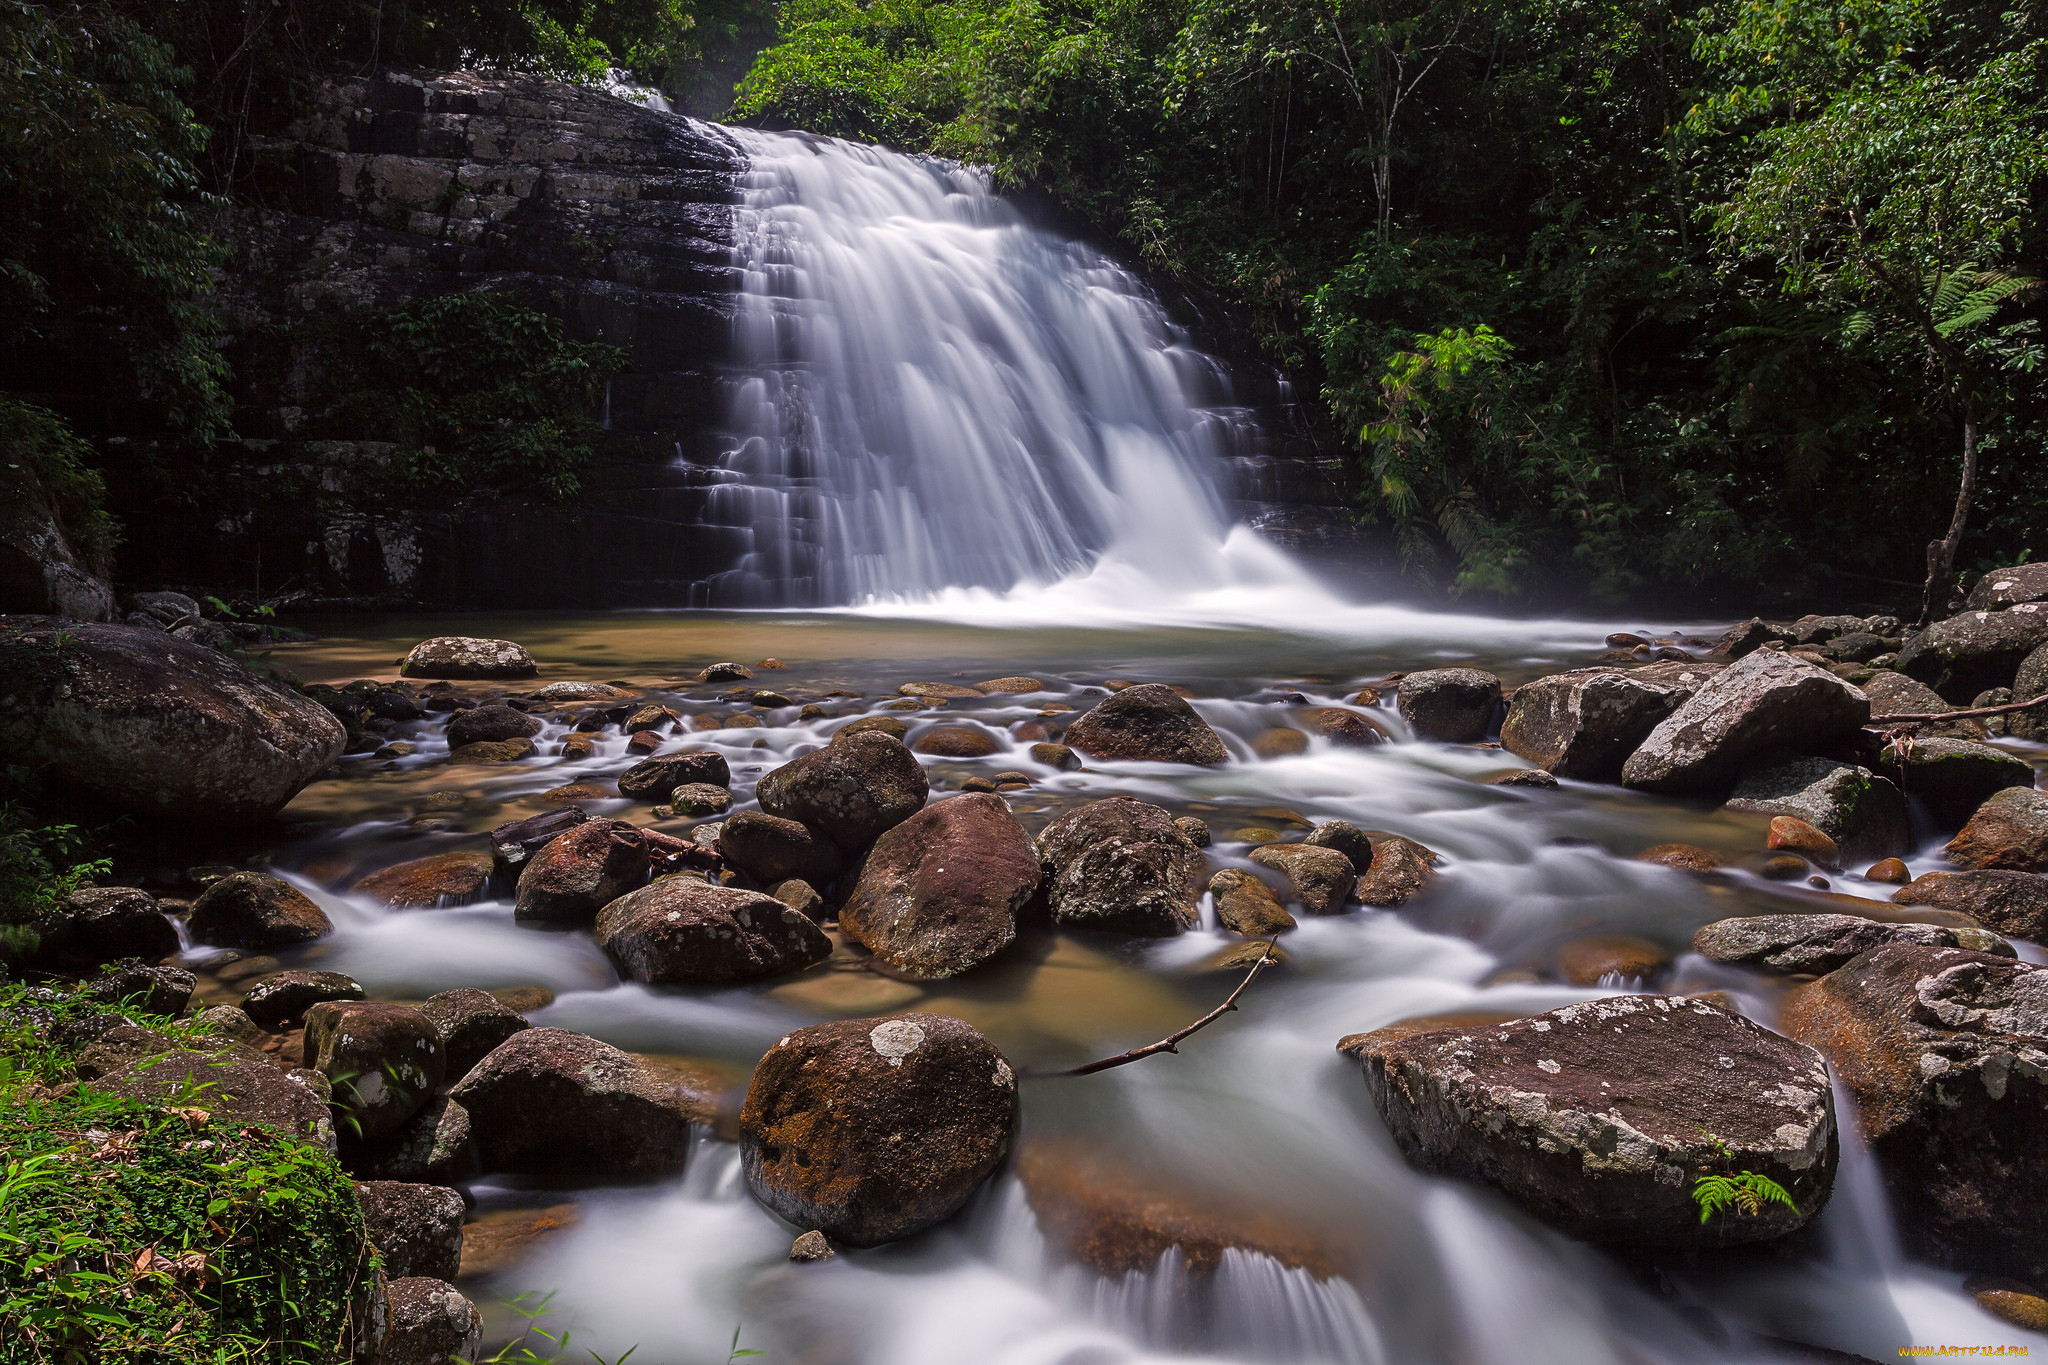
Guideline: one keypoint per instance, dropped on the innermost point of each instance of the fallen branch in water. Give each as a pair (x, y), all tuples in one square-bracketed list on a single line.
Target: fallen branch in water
[(1967, 715), (1169, 1043)]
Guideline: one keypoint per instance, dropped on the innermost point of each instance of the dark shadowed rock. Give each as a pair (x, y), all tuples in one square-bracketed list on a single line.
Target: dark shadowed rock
[(1597, 1117), (467, 658), (143, 721), (1322, 878), (581, 872), (150, 990), (940, 892), (1953, 776), (1401, 870), (871, 1130), (1347, 729), (1976, 651), (1946, 1055), (1120, 865), (1863, 814), (1245, 905), (2003, 588), (548, 1101), (1763, 701), (433, 1145), (100, 924), (238, 1091), (2031, 682), (1196, 829), (256, 911), (770, 849), (430, 1323), (490, 725), (515, 841), (1895, 694), (2013, 903), (850, 791), (1149, 723), (684, 932), (281, 999), (653, 779), (1055, 756), (2008, 832), (417, 1227), (1347, 838), (470, 1024), (443, 879), (384, 1060), (1807, 943), (1584, 724), (1454, 705)]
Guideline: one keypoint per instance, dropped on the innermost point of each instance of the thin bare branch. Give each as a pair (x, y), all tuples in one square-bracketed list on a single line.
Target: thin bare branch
[(1171, 1041), (2006, 709)]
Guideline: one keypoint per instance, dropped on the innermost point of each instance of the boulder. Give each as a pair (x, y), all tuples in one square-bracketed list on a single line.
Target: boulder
[(568, 690), (1149, 723), (1946, 1054), (655, 779), (724, 672), (1599, 1117), (1196, 829), (1348, 729), (95, 925), (1347, 838), (515, 841), (2003, 588), (1762, 701), (1454, 705), (851, 791), (280, 1000), (1055, 756), (384, 1060), (147, 990), (489, 725), (417, 1227), (1245, 905), (2013, 903), (117, 1047), (45, 564), (1953, 776), (1120, 865), (470, 1024), (494, 751), (228, 1021), (871, 1130), (238, 1091), (1790, 834), (1744, 638), (1813, 944), (1895, 694), (694, 799), (2030, 682), (1862, 813), (581, 872), (770, 849), (433, 1145), (257, 912), (2009, 832), (551, 1102), (142, 721), (464, 657), (430, 883), (957, 741), (429, 1323), (885, 725), (1323, 878), (684, 932), (1401, 870), (1584, 724), (1976, 651), (940, 893)]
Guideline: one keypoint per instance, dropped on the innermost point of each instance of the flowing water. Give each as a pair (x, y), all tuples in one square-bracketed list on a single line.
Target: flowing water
[(989, 453)]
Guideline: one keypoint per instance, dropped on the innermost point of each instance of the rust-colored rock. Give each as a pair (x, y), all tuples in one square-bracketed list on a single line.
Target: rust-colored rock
[(582, 871), (1592, 958), (550, 1102), (770, 849), (1279, 743), (2009, 832), (1892, 870), (1349, 729), (1401, 870), (1684, 857), (958, 741), (940, 893), (2011, 902), (684, 932), (429, 883), (653, 779), (1793, 835)]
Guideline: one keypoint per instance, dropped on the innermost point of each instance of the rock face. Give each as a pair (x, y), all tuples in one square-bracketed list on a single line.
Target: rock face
[(2008, 832), (939, 893), (1807, 943), (581, 872), (470, 1024), (1150, 723), (1762, 701), (42, 569), (100, 924), (1595, 1117), (870, 1130), (684, 932), (851, 791), (1584, 725), (770, 849), (1946, 1055), (240, 1091), (1953, 776), (1976, 651), (2013, 903), (153, 990), (417, 1227), (258, 912), (281, 999), (1322, 878), (1454, 705), (384, 1061), (2031, 682), (143, 721), (1120, 865), (433, 1145), (1862, 813), (430, 883), (430, 1323), (2008, 587), (465, 657), (548, 1101), (654, 779)]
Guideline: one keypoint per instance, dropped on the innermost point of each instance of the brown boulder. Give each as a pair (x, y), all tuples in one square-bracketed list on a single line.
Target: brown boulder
[(1684, 857), (494, 751), (1121, 865), (467, 658), (1279, 743), (280, 1000), (2009, 832), (1401, 870), (1760, 702), (1807, 943), (1055, 756), (684, 932), (257, 912), (470, 1024), (1454, 705), (1349, 729), (1149, 723), (1790, 834), (770, 849), (1323, 878), (490, 725), (957, 741), (1584, 724), (548, 1102), (1245, 905), (1347, 838), (576, 875), (653, 779), (430, 883), (2013, 903), (940, 892), (851, 791), (1594, 958), (871, 1130)]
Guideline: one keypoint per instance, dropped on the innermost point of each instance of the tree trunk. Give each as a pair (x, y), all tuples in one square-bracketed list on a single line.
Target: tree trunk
[(1941, 554)]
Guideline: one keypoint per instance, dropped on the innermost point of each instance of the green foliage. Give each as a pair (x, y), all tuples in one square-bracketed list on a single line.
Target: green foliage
[(42, 442), (1746, 1193), (537, 1345), (40, 864), (140, 1233)]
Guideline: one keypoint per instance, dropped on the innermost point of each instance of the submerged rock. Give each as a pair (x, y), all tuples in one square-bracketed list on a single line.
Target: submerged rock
[(1807, 943), (1599, 1117), (958, 741), (683, 932), (851, 791), (1121, 865), (871, 1130), (1591, 959), (551, 1102), (940, 893), (2008, 832), (257, 912), (1946, 1055), (1148, 723), (1862, 813), (1762, 701), (467, 658), (1454, 705)]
